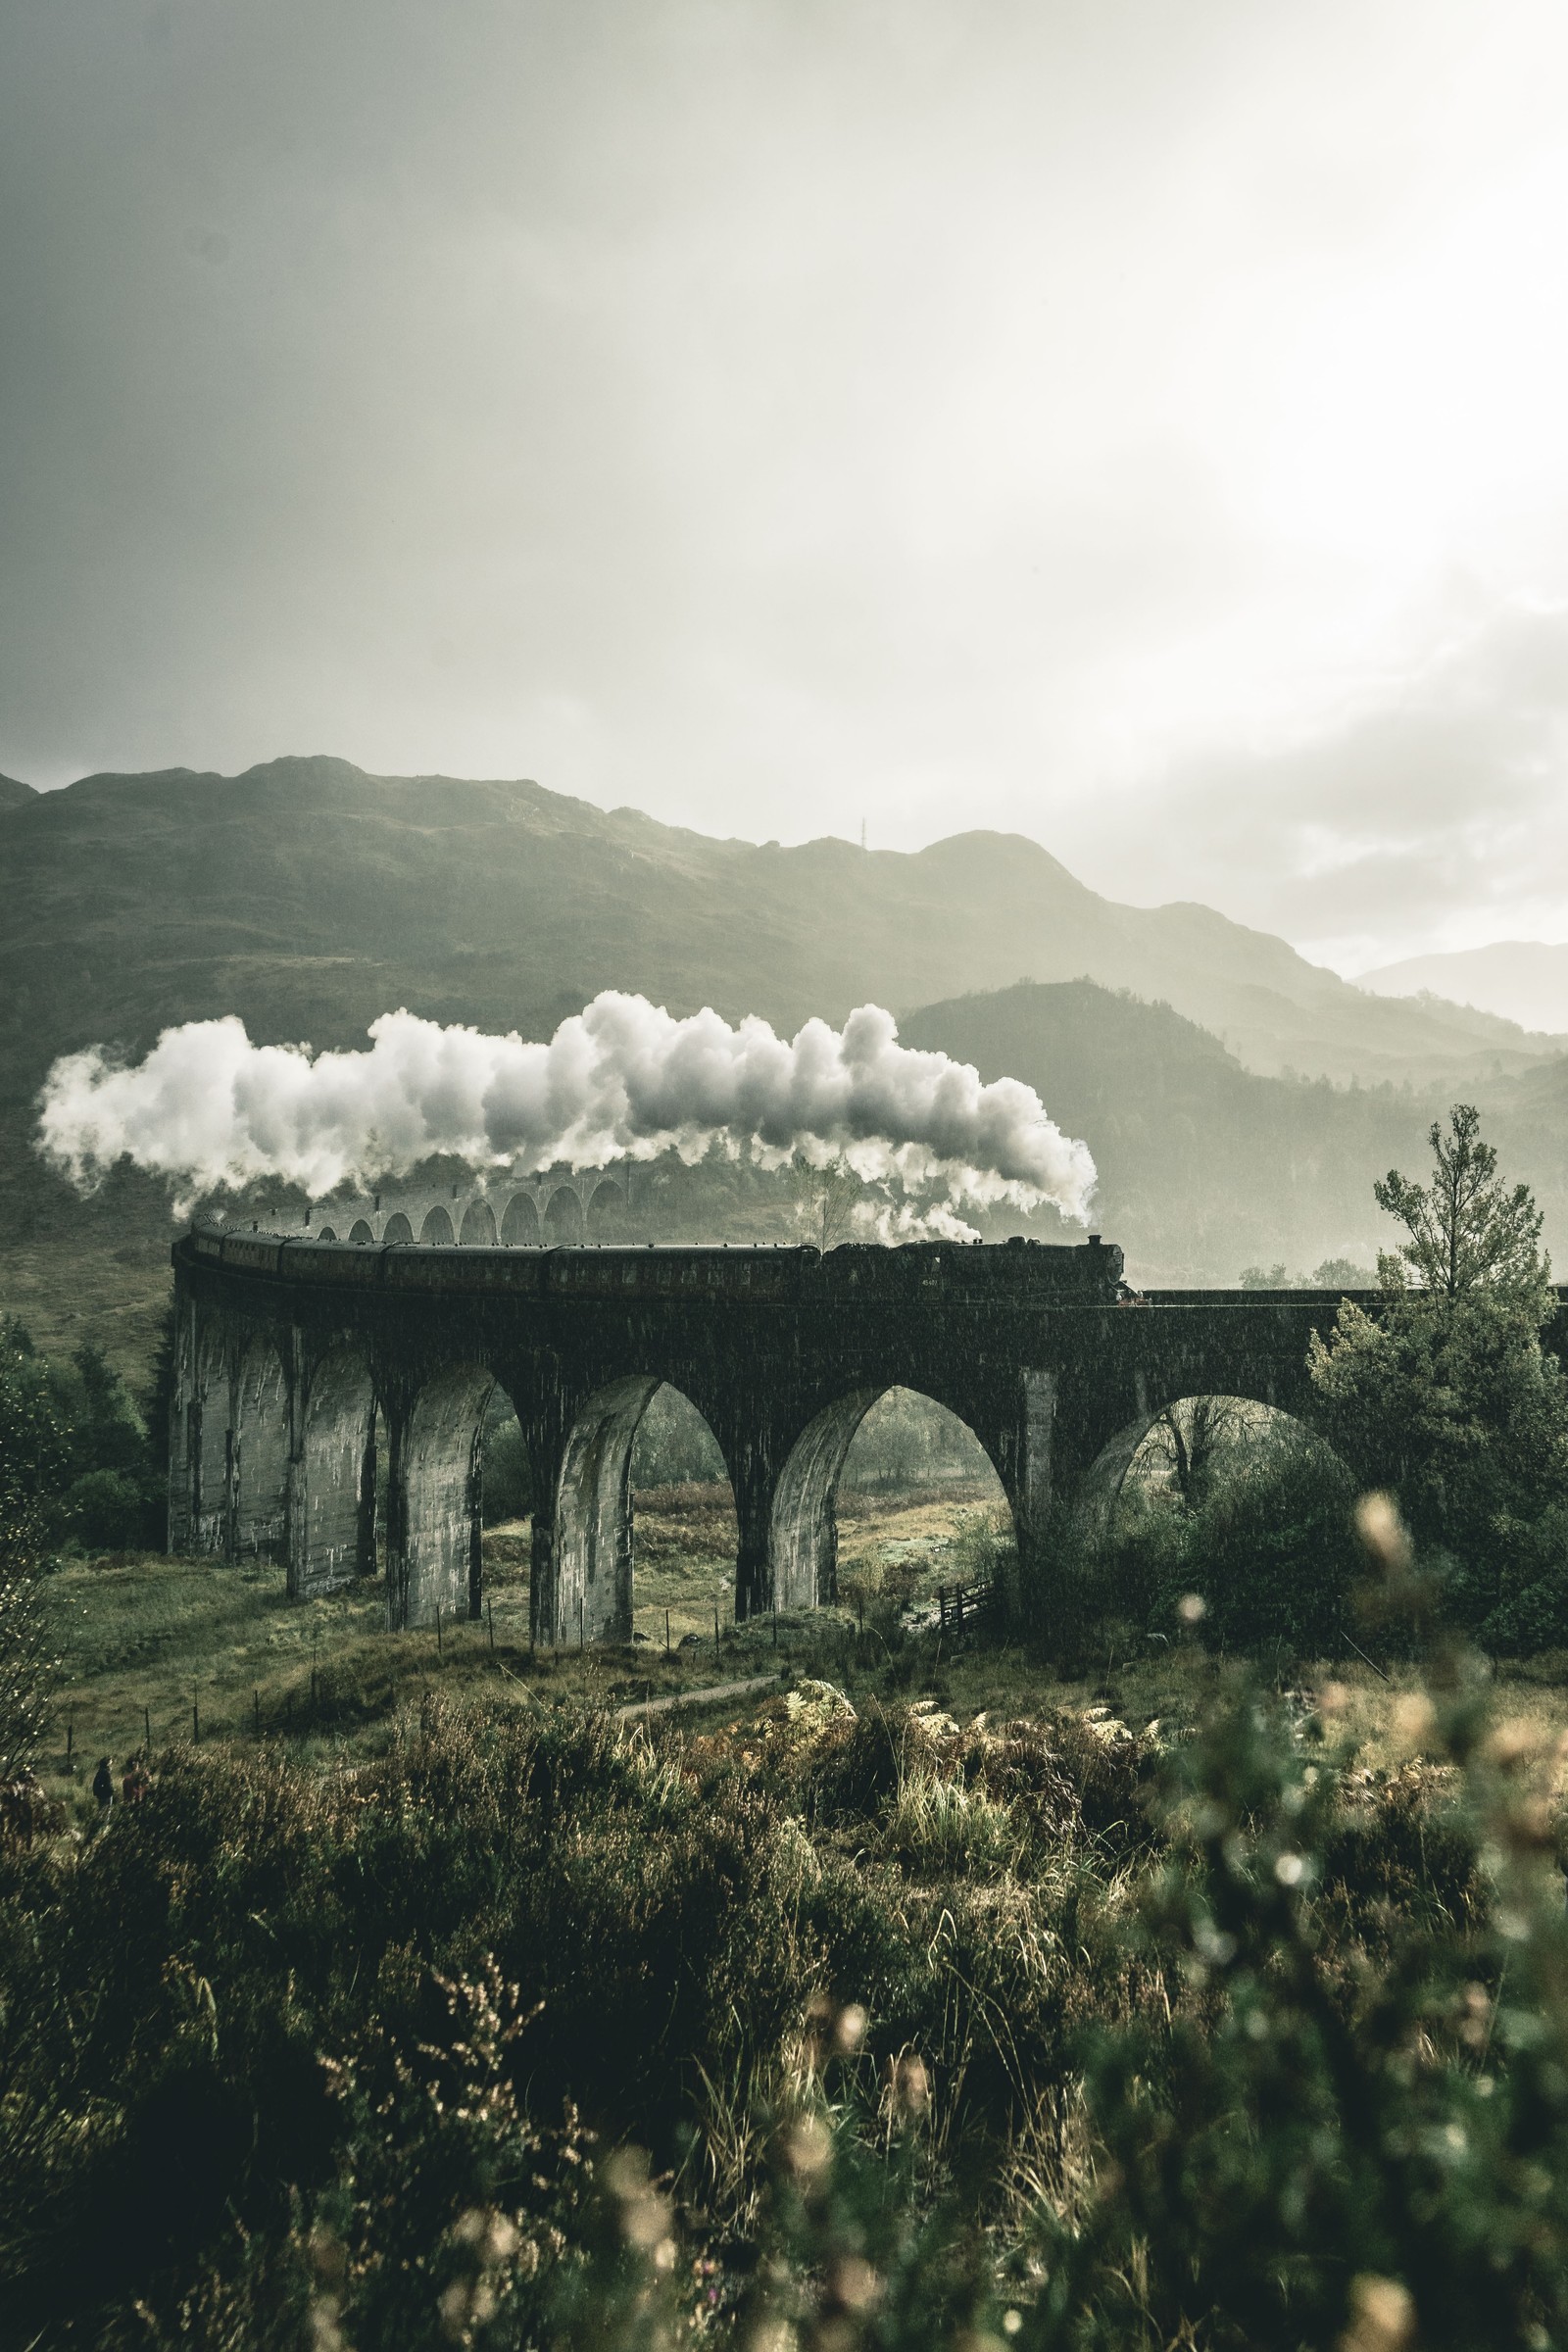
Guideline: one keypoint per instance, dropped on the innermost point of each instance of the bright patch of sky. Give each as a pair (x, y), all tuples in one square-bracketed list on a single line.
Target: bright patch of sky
[(1135, 426)]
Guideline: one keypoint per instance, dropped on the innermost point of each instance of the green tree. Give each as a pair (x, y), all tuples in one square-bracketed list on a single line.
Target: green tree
[(1342, 1274), (1447, 1396), (1467, 1231), (108, 1435), (1186, 1443)]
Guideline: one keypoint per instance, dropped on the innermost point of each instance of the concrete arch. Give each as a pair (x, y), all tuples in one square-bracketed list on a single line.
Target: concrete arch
[(1100, 1488), (562, 1225), (802, 1542), (437, 1227), (332, 1522), (804, 1535), (396, 1228), (360, 1231), (479, 1227), (605, 1214), (592, 1516), (260, 1455), (437, 1557), (324, 1232), (519, 1226), (910, 1437)]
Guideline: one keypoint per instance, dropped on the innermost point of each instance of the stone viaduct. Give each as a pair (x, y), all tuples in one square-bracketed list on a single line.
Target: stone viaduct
[(525, 1211), (311, 1371)]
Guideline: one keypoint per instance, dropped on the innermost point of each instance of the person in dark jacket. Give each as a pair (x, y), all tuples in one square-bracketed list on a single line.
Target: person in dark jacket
[(103, 1786)]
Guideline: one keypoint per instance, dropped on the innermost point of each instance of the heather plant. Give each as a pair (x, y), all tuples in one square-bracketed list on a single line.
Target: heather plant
[(1353, 2129), (836, 2026)]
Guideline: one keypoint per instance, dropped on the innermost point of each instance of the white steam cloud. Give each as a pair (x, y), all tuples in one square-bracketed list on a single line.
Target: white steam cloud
[(622, 1079)]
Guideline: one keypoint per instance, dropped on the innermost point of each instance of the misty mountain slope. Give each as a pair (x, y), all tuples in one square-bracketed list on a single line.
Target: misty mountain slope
[(1206, 1167), (1524, 980), (309, 897), (1276, 1011), (14, 794)]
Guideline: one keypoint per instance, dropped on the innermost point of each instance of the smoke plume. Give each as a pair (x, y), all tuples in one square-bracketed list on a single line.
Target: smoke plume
[(622, 1079)]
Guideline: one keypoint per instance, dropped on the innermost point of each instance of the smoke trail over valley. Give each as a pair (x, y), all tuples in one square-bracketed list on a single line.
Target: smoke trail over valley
[(208, 1110)]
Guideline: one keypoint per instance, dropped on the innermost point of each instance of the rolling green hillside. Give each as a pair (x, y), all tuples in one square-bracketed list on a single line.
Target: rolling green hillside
[(309, 896), (1205, 1167)]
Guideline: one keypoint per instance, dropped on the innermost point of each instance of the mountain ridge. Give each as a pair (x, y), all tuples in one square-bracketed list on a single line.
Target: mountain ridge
[(1525, 980), (309, 895)]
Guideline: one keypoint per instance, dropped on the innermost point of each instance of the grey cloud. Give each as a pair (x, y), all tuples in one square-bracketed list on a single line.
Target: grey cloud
[(1437, 801), (765, 415)]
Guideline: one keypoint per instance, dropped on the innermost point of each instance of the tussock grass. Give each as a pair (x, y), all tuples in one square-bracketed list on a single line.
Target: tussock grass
[(348, 2037), (932, 1987)]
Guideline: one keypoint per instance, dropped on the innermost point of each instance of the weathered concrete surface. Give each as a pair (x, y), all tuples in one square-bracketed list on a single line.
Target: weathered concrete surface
[(301, 1364)]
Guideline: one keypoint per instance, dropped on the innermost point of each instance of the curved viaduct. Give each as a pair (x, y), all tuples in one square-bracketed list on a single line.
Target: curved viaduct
[(305, 1368), (564, 1207)]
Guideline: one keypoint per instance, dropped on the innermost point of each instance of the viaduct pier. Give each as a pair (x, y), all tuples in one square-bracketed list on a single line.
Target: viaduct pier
[(331, 1396)]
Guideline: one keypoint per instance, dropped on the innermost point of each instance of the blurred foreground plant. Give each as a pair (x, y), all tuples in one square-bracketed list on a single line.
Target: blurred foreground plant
[(937, 2036)]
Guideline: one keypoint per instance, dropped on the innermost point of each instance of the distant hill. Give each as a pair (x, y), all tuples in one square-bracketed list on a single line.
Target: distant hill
[(1521, 980), (309, 896), (14, 794), (1206, 1168)]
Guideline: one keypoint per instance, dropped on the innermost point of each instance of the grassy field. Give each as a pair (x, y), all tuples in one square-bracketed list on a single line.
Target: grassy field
[(158, 1650), (911, 2005), (162, 1652)]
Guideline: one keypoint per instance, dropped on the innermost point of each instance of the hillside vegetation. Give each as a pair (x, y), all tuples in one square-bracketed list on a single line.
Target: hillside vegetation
[(1206, 1167), (309, 896)]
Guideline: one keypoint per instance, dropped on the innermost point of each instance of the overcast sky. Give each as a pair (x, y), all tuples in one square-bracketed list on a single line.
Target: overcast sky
[(1139, 423)]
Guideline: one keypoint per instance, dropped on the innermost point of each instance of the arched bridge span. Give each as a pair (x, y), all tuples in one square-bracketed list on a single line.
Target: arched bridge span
[(305, 1368)]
